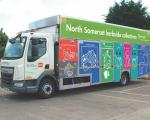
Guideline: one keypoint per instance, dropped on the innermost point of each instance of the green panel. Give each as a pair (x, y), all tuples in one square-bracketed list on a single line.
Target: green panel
[(107, 62), (86, 30), (134, 62), (118, 61)]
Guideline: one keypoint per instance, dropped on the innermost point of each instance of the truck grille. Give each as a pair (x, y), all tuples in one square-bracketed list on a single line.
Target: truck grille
[(7, 77)]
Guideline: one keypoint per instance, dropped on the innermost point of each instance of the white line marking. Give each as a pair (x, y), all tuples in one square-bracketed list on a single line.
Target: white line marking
[(144, 95), (121, 98), (136, 88)]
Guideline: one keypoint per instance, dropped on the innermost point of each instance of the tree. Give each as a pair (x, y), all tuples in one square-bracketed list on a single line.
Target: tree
[(129, 13), (3, 40)]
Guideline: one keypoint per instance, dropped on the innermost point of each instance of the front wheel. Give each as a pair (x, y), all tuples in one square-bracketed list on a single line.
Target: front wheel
[(124, 79), (46, 89)]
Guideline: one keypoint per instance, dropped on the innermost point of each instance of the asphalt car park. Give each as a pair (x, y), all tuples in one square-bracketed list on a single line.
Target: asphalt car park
[(101, 102)]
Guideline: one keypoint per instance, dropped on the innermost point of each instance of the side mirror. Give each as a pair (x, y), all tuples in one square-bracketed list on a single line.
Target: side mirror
[(12, 40)]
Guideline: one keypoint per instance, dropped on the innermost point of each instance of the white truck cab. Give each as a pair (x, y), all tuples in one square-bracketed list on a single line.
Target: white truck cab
[(29, 64), (26, 59)]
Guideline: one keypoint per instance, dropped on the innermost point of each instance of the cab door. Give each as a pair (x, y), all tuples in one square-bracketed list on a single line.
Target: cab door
[(37, 57)]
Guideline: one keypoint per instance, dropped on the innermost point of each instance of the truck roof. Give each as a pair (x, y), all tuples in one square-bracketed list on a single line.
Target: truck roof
[(34, 33), (46, 22)]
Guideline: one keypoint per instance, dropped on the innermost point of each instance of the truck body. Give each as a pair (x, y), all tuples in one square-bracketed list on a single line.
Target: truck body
[(63, 53)]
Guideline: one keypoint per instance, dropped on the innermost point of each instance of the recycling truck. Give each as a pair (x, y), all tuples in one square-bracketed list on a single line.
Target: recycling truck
[(59, 53)]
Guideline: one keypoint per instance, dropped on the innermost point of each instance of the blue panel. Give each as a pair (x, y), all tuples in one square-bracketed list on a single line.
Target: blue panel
[(89, 60), (143, 60)]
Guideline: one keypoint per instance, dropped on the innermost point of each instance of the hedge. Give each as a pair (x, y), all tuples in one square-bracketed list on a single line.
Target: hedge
[(1, 51)]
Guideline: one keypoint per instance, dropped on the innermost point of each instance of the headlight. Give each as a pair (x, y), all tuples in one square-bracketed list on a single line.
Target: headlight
[(19, 84)]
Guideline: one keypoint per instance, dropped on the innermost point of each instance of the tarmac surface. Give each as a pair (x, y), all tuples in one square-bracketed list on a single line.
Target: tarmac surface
[(101, 102)]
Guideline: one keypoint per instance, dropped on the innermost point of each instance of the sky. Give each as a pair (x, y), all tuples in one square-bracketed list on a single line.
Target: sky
[(15, 15)]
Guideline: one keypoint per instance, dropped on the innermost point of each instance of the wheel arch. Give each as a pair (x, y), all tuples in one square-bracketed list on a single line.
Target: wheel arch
[(126, 73), (50, 76)]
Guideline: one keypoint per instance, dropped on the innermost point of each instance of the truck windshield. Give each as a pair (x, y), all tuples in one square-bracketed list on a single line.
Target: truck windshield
[(15, 48)]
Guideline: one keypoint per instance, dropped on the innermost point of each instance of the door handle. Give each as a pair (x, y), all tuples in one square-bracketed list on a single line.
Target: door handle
[(47, 66)]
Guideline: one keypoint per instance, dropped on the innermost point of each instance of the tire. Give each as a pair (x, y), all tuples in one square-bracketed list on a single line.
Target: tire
[(124, 79), (47, 89)]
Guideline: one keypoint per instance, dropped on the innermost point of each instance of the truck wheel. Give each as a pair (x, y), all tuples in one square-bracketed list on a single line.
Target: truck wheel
[(124, 79), (46, 89)]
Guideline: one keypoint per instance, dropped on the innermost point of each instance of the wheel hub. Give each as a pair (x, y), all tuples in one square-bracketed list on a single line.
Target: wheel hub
[(124, 81), (47, 88)]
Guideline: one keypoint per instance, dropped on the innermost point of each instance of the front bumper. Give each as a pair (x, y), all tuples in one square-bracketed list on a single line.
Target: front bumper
[(29, 86)]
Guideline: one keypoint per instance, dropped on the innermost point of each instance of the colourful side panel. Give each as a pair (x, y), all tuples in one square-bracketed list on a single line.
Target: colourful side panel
[(89, 60), (107, 62), (68, 50), (127, 56), (68, 57), (134, 62), (143, 60), (118, 61)]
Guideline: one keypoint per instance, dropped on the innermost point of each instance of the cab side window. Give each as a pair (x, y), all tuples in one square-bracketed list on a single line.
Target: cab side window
[(37, 48)]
